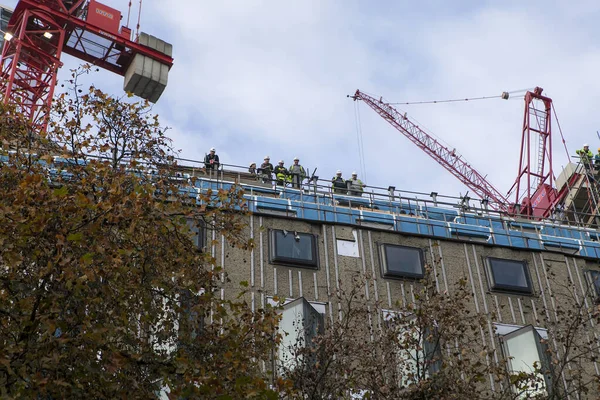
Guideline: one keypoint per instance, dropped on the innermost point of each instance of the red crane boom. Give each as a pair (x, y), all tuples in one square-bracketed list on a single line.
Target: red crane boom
[(445, 157)]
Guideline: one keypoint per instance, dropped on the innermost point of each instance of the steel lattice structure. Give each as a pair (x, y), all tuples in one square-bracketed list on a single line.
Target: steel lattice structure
[(41, 30), (445, 157), (533, 186)]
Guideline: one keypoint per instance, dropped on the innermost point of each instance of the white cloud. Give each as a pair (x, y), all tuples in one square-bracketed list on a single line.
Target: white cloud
[(271, 77)]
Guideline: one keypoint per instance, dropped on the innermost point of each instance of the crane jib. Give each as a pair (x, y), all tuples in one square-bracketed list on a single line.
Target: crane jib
[(445, 157)]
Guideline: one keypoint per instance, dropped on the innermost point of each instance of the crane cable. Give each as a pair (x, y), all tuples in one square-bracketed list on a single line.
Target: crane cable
[(504, 95), (137, 28), (360, 143), (128, 14), (359, 136), (564, 142)]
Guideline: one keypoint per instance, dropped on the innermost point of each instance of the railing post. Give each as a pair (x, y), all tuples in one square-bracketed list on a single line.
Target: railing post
[(464, 203), (434, 196), (485, 204), (391, 190), (517, 208)]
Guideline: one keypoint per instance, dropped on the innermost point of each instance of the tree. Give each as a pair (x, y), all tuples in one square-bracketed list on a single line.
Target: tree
[(103, 291), (432, 348)]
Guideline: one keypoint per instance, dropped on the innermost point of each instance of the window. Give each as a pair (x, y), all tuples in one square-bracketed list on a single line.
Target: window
[(417, 349), (509, 275), (402, 261), (526, 352), (594, 277), (198, 230), (300, 323), (5, 15), (289, 247)]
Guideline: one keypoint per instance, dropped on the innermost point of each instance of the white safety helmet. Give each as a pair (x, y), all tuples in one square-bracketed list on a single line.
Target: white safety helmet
[(212, 149), (267, 158), (586, 145), (354, 173), (280, 161), (296, 159), (338, 172)]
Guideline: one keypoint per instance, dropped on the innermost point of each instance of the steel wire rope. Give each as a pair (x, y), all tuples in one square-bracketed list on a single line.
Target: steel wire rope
[(360, 142), (562, 137), (459, 100), (430, 132)]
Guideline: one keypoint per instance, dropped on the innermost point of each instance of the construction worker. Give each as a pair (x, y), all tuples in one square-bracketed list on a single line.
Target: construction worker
[(355, 185), (338, 184), (266, 170), (597, 161), (297, 173), (585, 155), (281, 173), (211, 160), (252, 169)]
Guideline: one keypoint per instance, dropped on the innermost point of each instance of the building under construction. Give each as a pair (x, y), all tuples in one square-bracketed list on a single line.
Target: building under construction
[(5, 14), (516, 252)]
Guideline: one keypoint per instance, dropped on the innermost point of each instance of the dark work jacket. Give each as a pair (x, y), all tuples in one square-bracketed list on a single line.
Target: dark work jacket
[(211, 161), (267, 168), (338, 182)]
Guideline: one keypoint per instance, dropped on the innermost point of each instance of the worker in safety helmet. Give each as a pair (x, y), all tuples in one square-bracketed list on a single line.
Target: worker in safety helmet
[(281, 173), (338, 184), (266, 169), (211, 160), (585, 155), (252, 169), (355, 185), (297, 173)]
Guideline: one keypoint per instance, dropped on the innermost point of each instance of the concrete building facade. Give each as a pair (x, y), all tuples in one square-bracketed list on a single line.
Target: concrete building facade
[(520, 273)]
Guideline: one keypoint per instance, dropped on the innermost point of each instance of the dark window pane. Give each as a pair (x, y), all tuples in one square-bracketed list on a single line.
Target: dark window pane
[(509, 275), (595, 278), (197, 230), (294, 247), (403, 261), (4, 18)]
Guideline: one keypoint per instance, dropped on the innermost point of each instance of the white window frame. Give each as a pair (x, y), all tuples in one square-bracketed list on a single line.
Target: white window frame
[(508, 333), (411, 355), (289, 339)]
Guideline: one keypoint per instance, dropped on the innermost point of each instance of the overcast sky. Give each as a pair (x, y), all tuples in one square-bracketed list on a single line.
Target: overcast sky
[(256, 78)]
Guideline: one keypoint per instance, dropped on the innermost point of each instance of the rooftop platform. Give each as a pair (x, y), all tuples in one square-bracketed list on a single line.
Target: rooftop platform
[(410, 213), (406, 212)]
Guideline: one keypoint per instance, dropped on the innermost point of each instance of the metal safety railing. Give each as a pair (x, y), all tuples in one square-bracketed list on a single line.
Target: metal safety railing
[(432, 214)]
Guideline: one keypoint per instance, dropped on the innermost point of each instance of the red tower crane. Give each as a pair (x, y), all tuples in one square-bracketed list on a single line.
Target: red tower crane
[(533, 187), (39, 31), (447, 158), (535, 197)]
